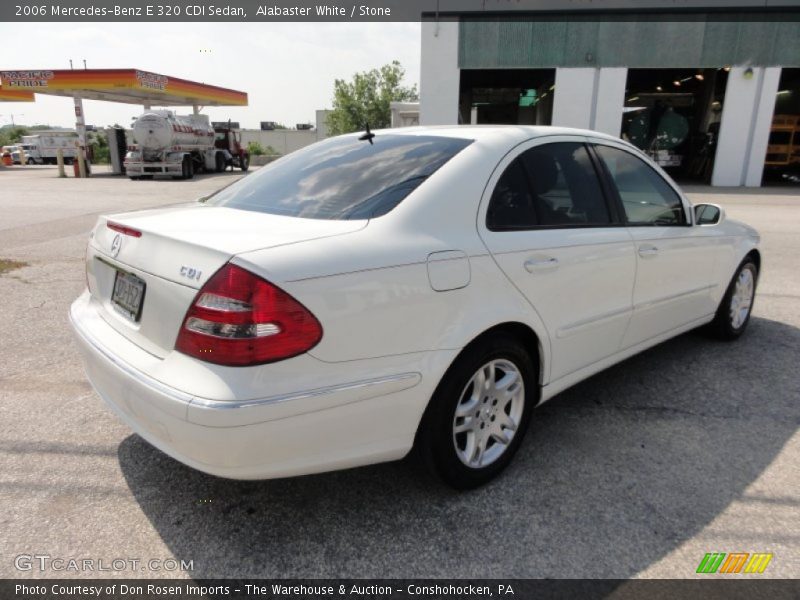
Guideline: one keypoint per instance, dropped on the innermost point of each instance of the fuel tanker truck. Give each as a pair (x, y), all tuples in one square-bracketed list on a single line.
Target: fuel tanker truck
[(180, 146)]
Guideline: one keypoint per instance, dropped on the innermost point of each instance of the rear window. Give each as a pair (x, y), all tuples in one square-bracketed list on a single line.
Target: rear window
[(342, 178)]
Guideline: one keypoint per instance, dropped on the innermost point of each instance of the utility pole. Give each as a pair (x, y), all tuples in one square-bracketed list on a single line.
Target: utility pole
[(11, 115)]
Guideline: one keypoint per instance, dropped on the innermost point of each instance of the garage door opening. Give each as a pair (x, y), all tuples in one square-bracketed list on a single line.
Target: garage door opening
[(673, 115), (782, 164), (506, 96)]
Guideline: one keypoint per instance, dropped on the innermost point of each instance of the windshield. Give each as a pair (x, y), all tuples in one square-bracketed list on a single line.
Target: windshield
[(343, 177)]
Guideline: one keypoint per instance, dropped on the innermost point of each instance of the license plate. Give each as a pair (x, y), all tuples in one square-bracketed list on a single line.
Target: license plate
[(128, 295)]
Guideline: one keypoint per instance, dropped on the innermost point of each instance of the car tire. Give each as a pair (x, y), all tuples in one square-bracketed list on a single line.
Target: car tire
[(244, 162), (461, 435), (736, 306), (219, 162)]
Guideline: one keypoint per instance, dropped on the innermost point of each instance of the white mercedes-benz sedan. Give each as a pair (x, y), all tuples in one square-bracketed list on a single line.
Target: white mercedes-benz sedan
[(415, 288)]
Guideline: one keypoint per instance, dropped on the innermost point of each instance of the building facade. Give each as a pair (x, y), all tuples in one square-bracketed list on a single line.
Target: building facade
[(695, 84)]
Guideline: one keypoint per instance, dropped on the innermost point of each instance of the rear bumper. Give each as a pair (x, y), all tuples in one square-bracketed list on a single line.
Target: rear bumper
[(312, 430), (136, 168)]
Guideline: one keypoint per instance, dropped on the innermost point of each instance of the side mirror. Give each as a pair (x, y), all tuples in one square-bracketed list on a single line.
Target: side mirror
[(708, 214)]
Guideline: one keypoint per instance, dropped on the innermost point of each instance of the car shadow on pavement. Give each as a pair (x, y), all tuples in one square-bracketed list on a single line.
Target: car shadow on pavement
[(614, 474)]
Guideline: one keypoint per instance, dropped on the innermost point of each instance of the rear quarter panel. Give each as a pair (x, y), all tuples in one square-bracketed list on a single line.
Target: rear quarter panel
[(392, 311)]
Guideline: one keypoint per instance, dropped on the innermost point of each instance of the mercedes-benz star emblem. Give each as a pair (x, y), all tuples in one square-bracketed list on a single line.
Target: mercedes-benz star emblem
[(116, 244)]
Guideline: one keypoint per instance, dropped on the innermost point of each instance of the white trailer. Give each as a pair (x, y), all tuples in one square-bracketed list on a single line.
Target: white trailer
[(180, 146), (42, 148)]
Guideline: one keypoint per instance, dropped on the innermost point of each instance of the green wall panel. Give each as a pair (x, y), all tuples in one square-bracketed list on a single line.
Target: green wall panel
[(528, 43), (787, 43)]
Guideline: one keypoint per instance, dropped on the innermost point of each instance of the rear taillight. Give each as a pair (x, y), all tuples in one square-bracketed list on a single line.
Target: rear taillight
[(239, 319)]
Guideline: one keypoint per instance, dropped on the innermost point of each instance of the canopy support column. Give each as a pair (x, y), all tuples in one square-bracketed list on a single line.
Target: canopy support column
[(80, 128)]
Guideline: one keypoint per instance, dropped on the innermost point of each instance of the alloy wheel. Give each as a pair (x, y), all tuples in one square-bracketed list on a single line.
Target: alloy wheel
[(742, 298), (488, 413)]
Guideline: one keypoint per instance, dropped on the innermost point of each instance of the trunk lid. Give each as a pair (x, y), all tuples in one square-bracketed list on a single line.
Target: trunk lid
[(178, 250), (201, 239)]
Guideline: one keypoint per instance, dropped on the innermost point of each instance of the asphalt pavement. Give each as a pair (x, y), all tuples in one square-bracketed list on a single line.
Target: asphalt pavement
[(689, 448)]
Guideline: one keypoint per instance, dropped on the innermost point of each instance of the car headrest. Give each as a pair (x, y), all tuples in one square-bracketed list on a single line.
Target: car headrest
[(543, 170)]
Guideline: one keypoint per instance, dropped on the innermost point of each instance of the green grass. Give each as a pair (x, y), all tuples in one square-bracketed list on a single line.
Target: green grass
[(8, 265)]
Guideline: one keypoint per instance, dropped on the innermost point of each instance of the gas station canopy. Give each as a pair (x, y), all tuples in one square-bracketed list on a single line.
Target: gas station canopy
[(131, 86), (15, 95)]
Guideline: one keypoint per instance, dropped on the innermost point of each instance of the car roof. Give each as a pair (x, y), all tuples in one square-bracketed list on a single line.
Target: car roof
[(494, 133)]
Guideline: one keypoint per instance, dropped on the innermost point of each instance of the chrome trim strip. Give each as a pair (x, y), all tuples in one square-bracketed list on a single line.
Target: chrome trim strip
[(552, 388), (178, 396), (663, 299), (324, 391), (573, 328)]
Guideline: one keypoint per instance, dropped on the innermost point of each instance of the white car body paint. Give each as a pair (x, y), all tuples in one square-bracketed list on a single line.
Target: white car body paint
[(398, 298)]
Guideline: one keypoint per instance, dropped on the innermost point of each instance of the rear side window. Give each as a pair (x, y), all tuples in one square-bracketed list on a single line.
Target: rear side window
[(553, 185), (342, 178), (511, 206), (646, 197)]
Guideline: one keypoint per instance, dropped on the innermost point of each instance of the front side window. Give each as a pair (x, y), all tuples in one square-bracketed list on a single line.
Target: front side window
[(646, 198), (342, 178), (553, 185), (565, 186)]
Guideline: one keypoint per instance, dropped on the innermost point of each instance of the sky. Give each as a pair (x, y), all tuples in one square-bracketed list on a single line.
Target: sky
[(287, 69)]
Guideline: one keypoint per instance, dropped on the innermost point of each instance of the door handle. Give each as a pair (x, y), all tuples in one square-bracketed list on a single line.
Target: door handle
[(541, 264), (647, 250)]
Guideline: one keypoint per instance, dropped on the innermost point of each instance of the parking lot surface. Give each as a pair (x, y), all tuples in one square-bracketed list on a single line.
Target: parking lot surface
[(689, 448)]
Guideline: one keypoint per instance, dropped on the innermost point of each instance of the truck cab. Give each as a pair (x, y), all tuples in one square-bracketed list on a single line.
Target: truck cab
[(32, 156), (230, 140)]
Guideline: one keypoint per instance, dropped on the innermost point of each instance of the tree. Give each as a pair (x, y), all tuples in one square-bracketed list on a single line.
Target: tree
[(365, 99), (256, 149), (98, 141), (12, 135)]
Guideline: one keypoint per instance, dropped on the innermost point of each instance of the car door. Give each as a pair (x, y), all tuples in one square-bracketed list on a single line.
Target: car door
[(675, 260), (557, 236)]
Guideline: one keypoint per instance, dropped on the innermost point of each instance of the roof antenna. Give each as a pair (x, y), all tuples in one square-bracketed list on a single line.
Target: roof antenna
[(367, 136)]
